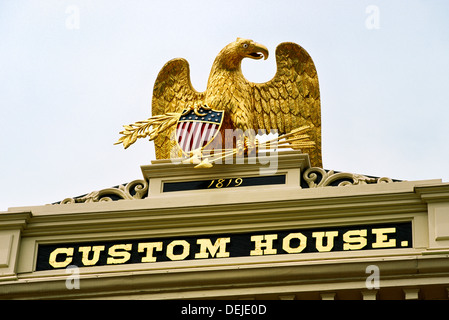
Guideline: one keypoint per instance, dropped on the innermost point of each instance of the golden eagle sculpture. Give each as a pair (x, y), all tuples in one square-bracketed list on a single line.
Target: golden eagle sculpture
[(290, 100)]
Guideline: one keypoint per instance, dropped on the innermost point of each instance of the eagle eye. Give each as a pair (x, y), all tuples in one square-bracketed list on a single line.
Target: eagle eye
[(245, 45)]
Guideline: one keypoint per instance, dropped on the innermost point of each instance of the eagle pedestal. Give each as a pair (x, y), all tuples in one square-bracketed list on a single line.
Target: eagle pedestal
[(274, 170)]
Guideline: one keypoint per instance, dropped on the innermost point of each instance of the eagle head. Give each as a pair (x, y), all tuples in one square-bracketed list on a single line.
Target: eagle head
[(250, 49), (232, 55)]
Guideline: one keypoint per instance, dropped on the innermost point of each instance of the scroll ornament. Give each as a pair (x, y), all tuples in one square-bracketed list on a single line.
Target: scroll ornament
[(318, 177), (314, 177), (137, 189)]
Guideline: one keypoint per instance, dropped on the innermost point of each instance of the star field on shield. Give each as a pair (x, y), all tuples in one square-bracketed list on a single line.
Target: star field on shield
[(211, 115)]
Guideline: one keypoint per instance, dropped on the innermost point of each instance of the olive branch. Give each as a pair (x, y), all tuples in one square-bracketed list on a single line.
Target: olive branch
[(151, 127)]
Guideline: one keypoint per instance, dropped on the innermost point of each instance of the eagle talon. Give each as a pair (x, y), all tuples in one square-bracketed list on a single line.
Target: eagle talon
[(206, 107), (197, 112), (195, 108)]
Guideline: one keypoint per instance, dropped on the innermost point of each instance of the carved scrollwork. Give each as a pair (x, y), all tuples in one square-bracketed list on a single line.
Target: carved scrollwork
[(137, 189), (318, 177)]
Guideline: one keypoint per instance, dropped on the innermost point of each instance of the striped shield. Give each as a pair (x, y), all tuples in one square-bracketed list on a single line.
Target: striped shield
[(197, 130)]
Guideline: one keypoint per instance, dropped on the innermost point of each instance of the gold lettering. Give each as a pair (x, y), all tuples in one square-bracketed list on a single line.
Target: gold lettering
[(185, 250), (330, 235), (210, 184), (354, 239), (96, 256), (381, 238), (219, 183), (263, 241), (64, 251), (238, 181), (149, 247), (121, 256), (206, 247), (287, 240)]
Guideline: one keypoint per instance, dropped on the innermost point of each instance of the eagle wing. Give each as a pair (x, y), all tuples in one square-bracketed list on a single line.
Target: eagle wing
[(172, 92), (292, 98)]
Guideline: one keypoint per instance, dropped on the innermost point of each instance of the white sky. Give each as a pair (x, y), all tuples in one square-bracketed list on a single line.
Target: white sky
[(66, 92)]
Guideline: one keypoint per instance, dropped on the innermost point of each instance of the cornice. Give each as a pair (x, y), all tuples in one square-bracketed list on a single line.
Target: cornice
[(433, 192), (225, 210), (16, 220)]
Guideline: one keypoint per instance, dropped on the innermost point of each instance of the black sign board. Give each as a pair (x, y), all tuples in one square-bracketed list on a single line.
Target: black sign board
[(99, 253), (223, 183)]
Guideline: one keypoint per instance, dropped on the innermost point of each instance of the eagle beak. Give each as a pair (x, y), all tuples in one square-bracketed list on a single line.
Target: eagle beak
[(258, 52)]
